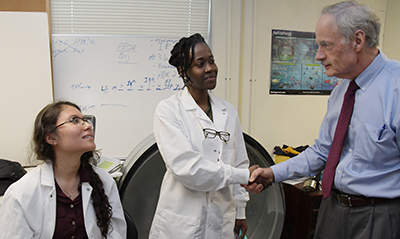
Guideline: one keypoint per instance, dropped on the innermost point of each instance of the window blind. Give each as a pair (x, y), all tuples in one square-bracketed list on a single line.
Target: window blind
[(131, 17)]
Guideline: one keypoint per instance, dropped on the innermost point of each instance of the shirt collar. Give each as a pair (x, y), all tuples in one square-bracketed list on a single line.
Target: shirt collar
[(365, 79), (190, 104)]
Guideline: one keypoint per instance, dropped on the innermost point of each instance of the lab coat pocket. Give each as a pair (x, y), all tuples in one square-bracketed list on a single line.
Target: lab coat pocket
[(177, 226)]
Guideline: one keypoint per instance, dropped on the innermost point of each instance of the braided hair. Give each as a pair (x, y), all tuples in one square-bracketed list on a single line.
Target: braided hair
[(45, 124), (182, 55)]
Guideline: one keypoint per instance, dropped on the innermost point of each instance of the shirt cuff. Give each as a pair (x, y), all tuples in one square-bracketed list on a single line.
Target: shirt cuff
[(280, 172), (240, 175), (241, 211)]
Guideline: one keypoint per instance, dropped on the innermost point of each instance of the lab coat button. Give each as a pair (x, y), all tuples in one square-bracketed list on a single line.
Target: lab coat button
[(87, 189)]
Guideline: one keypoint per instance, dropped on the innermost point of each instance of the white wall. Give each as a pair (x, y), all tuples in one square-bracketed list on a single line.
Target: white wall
[(25, 79), (226, 22), (391, 45)]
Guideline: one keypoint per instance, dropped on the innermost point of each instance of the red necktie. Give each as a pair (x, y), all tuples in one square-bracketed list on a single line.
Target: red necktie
[(338, 139)]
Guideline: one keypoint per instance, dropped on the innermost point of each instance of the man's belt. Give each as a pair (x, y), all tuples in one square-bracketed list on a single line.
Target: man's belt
[(357, 201)]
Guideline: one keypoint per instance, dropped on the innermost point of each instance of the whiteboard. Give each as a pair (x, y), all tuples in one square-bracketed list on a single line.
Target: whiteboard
[(118, 79)]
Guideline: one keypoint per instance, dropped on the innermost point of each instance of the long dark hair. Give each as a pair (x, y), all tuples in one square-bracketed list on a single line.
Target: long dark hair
[(182, 55), (45, 124)]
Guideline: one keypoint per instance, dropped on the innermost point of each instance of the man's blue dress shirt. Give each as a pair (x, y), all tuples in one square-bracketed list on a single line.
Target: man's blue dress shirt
[(370, 160)]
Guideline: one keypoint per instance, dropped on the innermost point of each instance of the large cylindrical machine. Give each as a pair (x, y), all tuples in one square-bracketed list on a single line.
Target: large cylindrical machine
[(143, 172)]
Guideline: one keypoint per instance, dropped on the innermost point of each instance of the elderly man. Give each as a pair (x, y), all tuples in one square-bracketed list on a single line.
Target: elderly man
[(359, 144)]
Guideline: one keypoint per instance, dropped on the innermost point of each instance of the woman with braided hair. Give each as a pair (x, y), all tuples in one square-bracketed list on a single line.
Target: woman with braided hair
[(201, 142), (66, 196)]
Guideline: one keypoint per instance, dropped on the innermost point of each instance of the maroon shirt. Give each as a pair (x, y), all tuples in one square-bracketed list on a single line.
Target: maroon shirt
[(70, 222)]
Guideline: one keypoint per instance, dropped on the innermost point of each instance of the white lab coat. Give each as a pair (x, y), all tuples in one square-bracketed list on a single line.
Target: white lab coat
[(200, 195), (28, 209)]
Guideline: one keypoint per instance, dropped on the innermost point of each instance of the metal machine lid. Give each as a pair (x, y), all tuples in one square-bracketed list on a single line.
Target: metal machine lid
[(143, 172)]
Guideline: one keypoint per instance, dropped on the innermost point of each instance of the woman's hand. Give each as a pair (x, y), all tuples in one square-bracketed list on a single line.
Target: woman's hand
[(240, 224)]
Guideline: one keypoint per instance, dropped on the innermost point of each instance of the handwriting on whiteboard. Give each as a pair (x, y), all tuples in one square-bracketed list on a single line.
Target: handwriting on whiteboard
[(131, 85), (77, 45)]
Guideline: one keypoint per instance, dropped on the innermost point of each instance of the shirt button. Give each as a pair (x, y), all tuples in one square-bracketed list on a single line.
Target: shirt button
[(350, 150), (72, 205), (73, 223), (339, 171), (73, 237)]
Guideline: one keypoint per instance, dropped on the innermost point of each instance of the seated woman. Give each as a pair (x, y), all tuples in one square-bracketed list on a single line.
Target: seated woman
[(66, 196)]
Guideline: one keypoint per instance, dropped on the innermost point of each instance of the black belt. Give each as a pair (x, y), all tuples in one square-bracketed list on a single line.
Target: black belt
[(357, 201)]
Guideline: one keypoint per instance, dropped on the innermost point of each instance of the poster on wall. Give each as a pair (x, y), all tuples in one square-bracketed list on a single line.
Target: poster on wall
[(294, 69)]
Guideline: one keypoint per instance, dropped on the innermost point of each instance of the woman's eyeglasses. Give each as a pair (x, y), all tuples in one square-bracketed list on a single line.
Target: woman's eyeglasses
[(212, 133), (77, 121)]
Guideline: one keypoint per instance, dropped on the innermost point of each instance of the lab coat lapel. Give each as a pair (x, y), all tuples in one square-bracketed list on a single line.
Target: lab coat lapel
[(191, 106), (220, 114), (86, 191), (50, 195)]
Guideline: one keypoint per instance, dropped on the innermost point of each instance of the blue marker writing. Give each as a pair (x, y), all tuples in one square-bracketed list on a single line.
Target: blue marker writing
[(381, 132)]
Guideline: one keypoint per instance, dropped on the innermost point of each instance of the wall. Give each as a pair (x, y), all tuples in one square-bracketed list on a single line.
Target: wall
[(392, 32), (25, 73), (225, 35)]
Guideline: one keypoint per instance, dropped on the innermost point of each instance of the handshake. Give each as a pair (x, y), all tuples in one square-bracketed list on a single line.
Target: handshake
[(260, 179)]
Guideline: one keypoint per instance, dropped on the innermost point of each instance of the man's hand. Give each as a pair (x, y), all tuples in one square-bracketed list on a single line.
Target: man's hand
[(252, 168)]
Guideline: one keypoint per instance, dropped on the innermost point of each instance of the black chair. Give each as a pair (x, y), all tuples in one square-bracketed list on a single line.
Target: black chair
[(131, 232), (10, 172)]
